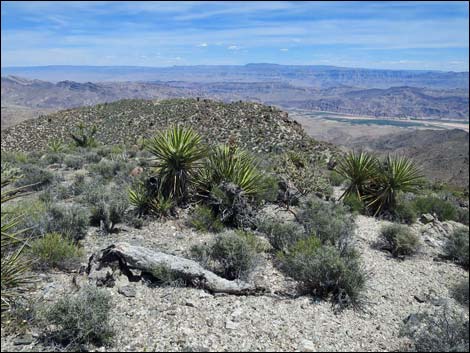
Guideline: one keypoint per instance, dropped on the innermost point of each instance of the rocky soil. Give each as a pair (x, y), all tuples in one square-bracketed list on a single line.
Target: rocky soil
[(189, 319)]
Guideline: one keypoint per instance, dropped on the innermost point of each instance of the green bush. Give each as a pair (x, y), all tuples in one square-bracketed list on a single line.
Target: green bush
[(52, 158), (54, 250), (108, 169), (269, 190), (404, 212), (281, 235), (399, 240), (324, 271), (444, 210), (456, 247), (92, 157), (336, 179), (35, 176), (441, 330), (70, 220), (461, 292), (109, 211), (74, 162), (462, 215), (331, 223), (354, 204), (78, 319), (231, 256), (204, 220), (84, 136)]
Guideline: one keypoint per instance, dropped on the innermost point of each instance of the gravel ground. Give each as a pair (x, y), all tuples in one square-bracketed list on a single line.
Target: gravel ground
[(188, 319)]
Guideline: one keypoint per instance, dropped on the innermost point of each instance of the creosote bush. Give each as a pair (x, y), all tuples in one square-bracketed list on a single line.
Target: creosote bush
[(445, 210), (230, 255), (34, 176), (461, 292), (54, 250), (324, 271), (70, 220), (78, 319), (456, 247), (442, 330), (399, 240), (331, 223), (281, 235)]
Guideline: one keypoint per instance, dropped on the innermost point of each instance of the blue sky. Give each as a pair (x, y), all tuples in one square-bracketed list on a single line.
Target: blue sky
[(391, 35)]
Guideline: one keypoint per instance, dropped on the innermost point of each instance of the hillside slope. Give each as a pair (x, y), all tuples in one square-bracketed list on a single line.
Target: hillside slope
[(257, 127)]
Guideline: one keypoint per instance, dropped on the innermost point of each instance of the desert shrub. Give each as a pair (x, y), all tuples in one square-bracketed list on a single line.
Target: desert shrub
[(354, 204), (399, 240), (461, 292), (336, 179), (54, 250), (32, 214), (34, 176), (442, 330), (462, 216), (204, 220), (269, 189), (110, 208), (444, 210), (70, 220), (110, 168), (324, 271), (164, 277), (15, 158), (231, 256), (52, 158), (178, 153), (147, 199), (91, 157), (74, 162), (331, 223), (78, 319), (456, 247), (303, 171), (281, 235), (404, 212)]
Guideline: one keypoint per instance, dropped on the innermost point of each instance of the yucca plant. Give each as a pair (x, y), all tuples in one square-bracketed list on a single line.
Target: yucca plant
[(231, 164), (397, 174), (359, 168), (178, 154), (84, 137), (14, 270), (56, 146)]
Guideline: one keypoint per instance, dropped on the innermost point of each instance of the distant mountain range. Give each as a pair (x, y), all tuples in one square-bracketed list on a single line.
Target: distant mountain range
[(299, 75), (24, 98)]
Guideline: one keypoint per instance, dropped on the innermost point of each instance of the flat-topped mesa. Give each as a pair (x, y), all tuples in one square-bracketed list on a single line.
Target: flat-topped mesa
[(256, 127)]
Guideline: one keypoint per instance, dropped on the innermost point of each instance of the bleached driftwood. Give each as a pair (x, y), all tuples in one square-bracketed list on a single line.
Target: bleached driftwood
[(132, 257)]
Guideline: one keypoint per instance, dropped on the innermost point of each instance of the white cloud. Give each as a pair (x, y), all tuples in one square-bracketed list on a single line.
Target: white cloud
[(284, 49), (203, 45), (233, 47)]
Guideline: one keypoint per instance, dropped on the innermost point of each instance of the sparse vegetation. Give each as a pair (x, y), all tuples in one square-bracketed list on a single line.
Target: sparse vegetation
[(34, 177), (461, 292), (78, 319), (204, 220), (231, 255), (457, 247), (54, 250), (444, 210), (443, 330), (399, 240), (324, 271), (84, 137), (70, 220), (281, 235)]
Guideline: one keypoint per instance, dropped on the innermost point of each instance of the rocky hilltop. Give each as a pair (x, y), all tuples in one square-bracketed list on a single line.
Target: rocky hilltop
[(257, 127)]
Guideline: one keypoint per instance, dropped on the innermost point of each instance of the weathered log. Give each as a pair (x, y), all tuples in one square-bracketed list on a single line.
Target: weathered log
[(131, 258)]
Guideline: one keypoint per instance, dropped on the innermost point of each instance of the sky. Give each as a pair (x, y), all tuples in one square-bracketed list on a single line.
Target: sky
[(387, 35)]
